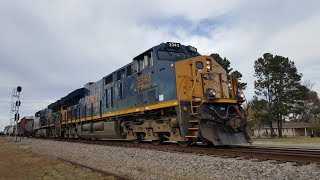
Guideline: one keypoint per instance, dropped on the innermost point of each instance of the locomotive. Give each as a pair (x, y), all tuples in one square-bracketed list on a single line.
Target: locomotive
[(168, 93)]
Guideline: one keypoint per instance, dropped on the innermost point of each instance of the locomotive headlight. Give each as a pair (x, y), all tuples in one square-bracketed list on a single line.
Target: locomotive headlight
[(208, 65), (240, 95), (212, 92)]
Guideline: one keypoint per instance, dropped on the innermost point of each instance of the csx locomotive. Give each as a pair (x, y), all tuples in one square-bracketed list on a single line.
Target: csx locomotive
[(168, 93)]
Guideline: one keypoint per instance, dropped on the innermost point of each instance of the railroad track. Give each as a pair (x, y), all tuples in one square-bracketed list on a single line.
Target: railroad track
[(259, 153), (282, 154), (280, 151)]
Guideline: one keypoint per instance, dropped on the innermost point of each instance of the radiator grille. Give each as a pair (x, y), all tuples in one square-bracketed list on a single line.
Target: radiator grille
[(151, 96)]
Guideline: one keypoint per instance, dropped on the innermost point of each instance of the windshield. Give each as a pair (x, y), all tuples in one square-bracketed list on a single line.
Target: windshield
[(171, 56)]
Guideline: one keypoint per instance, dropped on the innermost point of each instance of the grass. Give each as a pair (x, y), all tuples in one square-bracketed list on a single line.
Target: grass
[(18, 161), (298, 139)]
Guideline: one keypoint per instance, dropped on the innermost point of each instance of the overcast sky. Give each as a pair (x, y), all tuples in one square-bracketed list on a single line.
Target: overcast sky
[(51, 48)]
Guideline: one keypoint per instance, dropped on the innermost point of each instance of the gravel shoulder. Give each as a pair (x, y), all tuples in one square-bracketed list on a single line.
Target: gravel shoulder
[(135, 163)]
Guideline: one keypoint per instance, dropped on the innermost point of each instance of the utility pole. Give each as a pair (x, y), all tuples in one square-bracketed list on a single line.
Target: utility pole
[(17, 105)]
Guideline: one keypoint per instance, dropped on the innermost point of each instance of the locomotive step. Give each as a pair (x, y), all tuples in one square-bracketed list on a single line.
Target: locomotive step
[(193, 129), (193, 121), (191, 136)]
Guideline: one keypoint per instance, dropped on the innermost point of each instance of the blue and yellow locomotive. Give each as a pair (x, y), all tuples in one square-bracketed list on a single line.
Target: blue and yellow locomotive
[(168, 93)]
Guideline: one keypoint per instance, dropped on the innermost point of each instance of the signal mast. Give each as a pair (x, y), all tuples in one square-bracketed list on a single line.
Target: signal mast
[(15, 109)]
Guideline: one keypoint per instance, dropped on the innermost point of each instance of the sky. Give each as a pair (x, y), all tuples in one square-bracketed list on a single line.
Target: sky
[(51, 48)]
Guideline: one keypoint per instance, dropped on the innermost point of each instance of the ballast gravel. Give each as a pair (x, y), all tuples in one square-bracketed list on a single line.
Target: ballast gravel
[(135, 163)]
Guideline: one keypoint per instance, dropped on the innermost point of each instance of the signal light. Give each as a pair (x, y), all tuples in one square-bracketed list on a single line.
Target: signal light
[(19, 89), (16, 117)]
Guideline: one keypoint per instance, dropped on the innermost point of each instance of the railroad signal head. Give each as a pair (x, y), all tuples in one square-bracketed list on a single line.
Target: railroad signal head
[(18, 103), (16, 117), (19, 88)]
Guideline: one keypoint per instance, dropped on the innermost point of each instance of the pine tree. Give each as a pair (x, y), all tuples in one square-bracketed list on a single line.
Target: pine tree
[(278, 83)]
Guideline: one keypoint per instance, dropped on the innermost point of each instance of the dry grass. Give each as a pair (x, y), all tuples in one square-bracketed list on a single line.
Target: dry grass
[(19, 162), (298, 139)]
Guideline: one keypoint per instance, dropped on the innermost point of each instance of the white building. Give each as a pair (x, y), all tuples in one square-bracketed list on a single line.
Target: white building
[(289, 129)]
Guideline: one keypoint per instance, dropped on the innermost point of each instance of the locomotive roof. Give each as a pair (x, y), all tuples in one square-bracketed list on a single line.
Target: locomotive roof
[(172, 46), (168, 46), (76, 94)]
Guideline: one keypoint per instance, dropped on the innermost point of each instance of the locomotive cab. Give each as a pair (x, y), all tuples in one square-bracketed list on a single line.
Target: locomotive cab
[(210, 102)]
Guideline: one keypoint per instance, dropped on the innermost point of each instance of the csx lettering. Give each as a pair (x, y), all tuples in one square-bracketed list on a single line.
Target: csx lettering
[(172, 44), (143, 81), (92, 98)]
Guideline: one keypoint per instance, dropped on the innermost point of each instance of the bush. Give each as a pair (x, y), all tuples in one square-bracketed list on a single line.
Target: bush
[(316, 129)]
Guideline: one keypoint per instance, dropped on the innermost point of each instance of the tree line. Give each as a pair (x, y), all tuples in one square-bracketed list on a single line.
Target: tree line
[(279, 93)]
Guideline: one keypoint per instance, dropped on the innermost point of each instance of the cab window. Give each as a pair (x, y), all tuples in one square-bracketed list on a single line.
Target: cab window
[(170, 55)]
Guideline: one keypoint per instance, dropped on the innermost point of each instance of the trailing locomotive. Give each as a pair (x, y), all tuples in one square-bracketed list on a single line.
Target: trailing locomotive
[(168, 93)]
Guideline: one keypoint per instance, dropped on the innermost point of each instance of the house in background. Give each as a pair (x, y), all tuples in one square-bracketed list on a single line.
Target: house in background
[(289, 129)]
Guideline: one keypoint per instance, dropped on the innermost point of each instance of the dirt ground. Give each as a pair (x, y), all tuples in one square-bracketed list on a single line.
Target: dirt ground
[(17, 161)]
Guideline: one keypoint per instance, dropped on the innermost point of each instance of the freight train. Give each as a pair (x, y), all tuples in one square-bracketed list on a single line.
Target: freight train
[(168, 93), (25, 127)]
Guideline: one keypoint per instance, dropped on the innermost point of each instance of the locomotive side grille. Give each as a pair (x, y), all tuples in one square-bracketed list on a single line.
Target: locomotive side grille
[(139, 99), (151, 96)]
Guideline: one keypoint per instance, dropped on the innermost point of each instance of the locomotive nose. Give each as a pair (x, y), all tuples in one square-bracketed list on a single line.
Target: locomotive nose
[(235, 123), (220, 135)]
